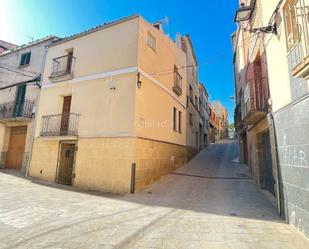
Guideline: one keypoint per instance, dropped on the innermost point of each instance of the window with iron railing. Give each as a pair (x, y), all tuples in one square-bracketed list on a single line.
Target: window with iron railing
[(177, 82), (65, 124), (296, 18), (63, 65), (17, 109), (255, 97)]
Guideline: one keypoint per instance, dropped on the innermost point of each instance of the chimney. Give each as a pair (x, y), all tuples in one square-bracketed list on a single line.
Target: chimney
[(178, 40)]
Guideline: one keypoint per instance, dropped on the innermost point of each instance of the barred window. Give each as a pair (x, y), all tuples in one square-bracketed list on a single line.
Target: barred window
[(292, 28)]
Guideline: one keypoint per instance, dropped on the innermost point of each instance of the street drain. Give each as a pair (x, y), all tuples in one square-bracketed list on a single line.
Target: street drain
[(233, 214)]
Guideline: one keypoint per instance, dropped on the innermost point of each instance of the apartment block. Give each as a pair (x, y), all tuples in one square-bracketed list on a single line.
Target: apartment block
[(271, 65), (195, 123), (204, 112), (20, 70), (223, 119)]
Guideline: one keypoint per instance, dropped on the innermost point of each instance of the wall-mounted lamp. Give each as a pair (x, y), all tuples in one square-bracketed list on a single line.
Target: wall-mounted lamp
[(244, 13), (139, 82)]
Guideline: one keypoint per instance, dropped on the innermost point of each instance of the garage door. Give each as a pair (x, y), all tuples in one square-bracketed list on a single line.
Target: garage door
[(16, 148)]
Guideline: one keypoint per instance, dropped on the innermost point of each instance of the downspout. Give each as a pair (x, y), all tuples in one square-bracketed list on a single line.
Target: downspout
[(33, 127)]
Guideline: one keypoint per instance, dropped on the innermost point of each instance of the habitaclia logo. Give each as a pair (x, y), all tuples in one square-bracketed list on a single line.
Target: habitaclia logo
[(153, 124)]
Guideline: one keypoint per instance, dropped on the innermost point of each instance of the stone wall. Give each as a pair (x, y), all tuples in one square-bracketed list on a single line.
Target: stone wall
[(155, 159), (292, 126), (44, 159), (105, 163)]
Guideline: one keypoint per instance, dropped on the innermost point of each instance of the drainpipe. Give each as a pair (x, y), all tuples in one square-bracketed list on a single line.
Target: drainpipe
[(275, 158), (34, 126)]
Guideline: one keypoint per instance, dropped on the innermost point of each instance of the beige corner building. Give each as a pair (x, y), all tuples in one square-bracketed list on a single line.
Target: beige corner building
[(112, 111)]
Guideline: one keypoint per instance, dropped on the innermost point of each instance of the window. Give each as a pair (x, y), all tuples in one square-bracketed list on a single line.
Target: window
[(194, 74), (151, 41), (292, 28), (25, 59), (191, 119), (196, 104), (179, 121), (191, 93), (175, 119)]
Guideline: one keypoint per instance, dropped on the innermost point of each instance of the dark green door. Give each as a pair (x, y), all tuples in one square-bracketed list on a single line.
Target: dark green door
[(269, 181), (20, 100)]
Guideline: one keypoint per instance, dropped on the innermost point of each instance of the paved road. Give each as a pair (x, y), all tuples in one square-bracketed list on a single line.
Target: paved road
[(209, 203)]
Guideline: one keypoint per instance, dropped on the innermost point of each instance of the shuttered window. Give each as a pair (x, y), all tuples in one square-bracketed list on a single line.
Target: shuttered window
[(175, 119), (25, 59)]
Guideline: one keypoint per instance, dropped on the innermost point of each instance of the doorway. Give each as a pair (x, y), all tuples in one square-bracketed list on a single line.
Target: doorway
[(66, 163), (16, 149), (268, 179), (65, 116)]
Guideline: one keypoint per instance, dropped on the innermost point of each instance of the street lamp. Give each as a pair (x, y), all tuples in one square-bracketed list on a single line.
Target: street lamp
[(243, 13)]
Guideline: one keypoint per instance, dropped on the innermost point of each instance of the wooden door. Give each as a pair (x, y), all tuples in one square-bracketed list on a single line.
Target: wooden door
[(66, 163), (65, 115), (19, 101), (17, 143)]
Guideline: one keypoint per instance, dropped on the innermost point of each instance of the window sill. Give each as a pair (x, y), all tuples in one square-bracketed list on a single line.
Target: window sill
[(23, 66), (302, 69)]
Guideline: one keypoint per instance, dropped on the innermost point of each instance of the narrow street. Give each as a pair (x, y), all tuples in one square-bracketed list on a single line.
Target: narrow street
[(209, 203)]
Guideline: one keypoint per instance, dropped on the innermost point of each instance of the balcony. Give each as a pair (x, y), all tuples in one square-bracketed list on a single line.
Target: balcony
[(62, 68), (255, 101), (177, 83), (16, 111), (60, 125), (237, 117), (298, 38)]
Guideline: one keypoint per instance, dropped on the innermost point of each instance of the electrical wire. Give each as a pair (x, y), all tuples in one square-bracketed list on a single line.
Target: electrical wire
[(21, 70), (17, 72), (21, 83)]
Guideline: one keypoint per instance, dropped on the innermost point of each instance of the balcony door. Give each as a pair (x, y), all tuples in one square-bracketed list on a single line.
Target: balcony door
[(70, 61), (65, 116), (19, 101)]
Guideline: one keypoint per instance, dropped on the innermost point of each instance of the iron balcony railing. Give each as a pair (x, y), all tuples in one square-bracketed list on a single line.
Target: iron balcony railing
[(177, 83), (297, 25), (237, 115), (60, 125), (17, 109), (255, 97), (63, 65)]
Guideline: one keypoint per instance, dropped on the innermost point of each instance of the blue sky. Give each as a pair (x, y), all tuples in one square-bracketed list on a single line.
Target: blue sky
[(209, 23)]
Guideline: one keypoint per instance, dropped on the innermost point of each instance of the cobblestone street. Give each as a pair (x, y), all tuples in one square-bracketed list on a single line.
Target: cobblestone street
[(209, 203)]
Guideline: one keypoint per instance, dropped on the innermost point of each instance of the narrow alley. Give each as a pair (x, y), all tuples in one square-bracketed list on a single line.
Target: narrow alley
[(211, 202)]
